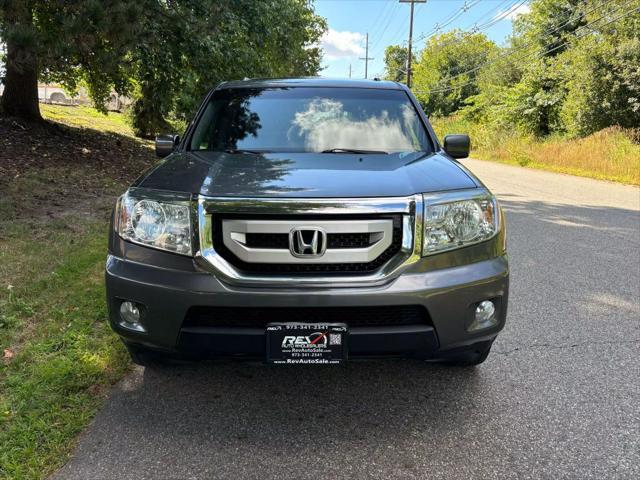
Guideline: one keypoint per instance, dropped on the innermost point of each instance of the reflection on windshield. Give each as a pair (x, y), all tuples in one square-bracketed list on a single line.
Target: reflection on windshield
[(325, 125), (310, 120)]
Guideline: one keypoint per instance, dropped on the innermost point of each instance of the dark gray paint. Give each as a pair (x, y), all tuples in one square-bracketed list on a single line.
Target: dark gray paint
[(306, 175)]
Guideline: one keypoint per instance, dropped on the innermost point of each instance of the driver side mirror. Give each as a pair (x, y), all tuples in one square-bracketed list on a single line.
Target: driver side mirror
[(458, 146), (166, 144)]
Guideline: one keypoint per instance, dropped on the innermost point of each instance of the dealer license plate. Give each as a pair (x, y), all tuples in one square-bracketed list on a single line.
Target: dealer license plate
[(307, 343)]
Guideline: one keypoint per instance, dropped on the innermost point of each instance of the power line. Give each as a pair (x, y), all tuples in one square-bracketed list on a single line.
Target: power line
[(478, 28), (377, 24), (443, 22), (466, 7), (539, 54), (522, 47), (392, 14)]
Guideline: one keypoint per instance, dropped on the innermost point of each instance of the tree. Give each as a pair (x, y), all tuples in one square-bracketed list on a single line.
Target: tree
[(67, 42), (395, 63), (447, 70), (572, 66), (601, 73), (191, 45)]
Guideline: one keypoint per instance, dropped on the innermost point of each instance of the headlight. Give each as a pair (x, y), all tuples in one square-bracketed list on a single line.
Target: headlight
[(155, 223), (454, 224)]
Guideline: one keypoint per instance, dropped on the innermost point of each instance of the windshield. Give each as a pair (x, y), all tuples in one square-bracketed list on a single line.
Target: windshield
[(310, 120)]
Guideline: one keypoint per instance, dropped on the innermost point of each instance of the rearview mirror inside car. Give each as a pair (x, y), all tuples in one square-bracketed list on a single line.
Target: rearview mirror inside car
[(458, 146)]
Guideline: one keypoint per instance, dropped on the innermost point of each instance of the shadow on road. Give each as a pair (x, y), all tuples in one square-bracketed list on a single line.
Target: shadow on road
[(233, 401)]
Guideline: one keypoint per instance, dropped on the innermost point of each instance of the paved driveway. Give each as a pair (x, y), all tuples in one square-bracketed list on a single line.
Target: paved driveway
[(559, 397)]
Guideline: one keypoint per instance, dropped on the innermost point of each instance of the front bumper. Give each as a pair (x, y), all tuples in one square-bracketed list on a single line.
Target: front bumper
[(168, 292)]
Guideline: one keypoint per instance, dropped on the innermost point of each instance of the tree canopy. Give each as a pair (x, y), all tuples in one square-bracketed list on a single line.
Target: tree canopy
[(67, 42), (395, 61), (164, 53), (570, 67), (192, 45)]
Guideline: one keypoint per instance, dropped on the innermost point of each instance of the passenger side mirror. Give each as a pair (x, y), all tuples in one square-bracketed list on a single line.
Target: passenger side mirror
[(458, 146), (166, 144)]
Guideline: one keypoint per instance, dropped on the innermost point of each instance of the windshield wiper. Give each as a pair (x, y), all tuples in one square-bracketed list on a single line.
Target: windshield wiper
[(242, 150), (353, 150)]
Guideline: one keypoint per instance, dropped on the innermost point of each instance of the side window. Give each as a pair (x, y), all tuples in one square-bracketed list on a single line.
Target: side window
[(203, 132)]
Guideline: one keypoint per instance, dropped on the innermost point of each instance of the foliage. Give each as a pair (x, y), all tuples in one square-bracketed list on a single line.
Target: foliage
[(395, 61), (610, 154), (571, 67), (71, 42), (191, 45), (579, 73), (602, 78), (443, 64), (167, 53)]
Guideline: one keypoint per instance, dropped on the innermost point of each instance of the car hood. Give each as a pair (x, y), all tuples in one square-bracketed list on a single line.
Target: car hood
[(220, 174)]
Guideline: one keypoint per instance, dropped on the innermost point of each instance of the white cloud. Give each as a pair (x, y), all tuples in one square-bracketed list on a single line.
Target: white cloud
[(337, 44)]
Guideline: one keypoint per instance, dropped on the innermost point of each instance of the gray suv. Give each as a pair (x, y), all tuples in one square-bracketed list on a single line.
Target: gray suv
[(308, 221)]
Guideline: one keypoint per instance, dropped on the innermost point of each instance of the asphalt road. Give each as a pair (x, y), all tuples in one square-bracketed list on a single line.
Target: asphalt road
[(559, 397)]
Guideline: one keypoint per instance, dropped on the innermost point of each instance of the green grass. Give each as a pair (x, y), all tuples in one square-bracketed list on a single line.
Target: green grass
[(610, 154), (64, 353), (58, 355), (87, 117)]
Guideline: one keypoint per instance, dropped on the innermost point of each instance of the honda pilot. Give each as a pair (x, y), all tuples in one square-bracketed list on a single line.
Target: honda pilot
[(308, 221)]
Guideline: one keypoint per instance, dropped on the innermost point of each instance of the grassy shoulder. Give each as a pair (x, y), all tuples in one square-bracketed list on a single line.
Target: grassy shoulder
[(58, 356), (610, 154)]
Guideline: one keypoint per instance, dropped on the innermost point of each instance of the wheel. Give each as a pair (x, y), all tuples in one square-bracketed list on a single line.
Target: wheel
[(469, 358)]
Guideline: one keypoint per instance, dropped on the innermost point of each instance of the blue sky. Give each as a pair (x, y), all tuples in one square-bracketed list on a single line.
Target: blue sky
[(387, 22)]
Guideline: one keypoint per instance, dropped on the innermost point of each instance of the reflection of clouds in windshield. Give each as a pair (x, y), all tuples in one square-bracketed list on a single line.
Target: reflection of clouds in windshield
[(326, 125)]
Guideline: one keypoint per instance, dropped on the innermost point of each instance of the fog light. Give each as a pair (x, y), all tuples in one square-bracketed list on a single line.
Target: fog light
[(130, 316), (485, 316)]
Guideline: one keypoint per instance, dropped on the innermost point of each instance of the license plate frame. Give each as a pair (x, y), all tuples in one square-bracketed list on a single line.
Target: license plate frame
[(297, 343)]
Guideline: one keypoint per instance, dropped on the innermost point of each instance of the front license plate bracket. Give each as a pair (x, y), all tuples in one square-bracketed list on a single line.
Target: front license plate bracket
[(307, 343)]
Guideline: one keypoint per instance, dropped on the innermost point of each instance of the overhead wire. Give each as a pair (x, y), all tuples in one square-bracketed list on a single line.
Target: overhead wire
[(539, 54)]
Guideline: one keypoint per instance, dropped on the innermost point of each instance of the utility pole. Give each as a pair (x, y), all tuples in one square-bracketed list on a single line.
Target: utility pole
[(349, 70), (366, 57), (412, 2)]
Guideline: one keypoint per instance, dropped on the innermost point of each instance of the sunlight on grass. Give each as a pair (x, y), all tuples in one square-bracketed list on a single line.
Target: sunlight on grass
[(87, 117), (610, 154), (58, 355), (54, 322)]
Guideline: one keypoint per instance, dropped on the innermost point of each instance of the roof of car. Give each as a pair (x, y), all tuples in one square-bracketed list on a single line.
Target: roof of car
[(310, 82)]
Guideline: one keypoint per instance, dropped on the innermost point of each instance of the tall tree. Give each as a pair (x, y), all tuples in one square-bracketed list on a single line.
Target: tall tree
[(67, 42), (447, 70), (572, 67), (395, 63), (190, 45)]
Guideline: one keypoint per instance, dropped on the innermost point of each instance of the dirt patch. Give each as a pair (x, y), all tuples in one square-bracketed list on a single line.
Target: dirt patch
[(50, 170)]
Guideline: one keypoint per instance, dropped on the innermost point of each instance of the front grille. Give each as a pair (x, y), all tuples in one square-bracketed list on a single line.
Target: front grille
[(334, 241), (259, 317)]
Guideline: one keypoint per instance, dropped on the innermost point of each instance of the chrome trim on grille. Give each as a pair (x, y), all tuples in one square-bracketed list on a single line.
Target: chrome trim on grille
[(234, 231), (410, 207)]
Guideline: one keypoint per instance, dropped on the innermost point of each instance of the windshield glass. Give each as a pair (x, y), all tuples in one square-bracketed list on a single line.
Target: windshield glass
[(310, 120)]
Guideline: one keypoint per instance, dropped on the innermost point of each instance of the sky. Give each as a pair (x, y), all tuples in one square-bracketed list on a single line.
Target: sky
[(387, 22)]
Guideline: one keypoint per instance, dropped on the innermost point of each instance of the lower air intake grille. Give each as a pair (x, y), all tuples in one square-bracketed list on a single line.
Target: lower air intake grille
[(259, 317)]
